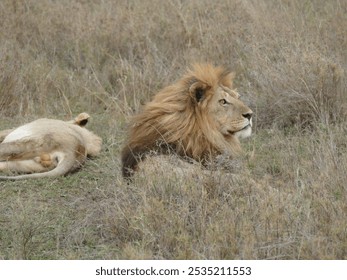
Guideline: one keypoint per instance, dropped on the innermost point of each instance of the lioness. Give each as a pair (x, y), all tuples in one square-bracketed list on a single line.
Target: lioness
[(47, 147)]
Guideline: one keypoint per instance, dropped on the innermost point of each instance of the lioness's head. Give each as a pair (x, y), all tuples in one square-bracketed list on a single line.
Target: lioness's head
[(199, 116)]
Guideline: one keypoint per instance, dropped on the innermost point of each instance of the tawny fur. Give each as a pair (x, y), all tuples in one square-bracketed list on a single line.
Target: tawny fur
[(189, 118), (47, 147)]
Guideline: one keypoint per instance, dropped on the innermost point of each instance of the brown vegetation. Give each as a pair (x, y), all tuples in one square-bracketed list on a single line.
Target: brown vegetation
[(285, 199)]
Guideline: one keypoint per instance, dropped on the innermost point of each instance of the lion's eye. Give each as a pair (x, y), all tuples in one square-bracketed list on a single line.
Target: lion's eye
[(223, 102)]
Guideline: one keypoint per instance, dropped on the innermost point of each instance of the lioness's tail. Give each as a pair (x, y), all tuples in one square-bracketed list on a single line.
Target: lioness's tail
[(66, 164)]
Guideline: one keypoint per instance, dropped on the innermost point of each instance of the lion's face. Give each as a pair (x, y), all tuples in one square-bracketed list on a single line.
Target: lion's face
[(231, 116)]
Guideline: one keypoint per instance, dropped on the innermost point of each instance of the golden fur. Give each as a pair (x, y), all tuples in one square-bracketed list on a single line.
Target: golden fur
[(199, 117), (47, 147)]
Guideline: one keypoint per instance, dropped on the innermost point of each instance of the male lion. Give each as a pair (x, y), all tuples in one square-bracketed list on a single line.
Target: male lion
[(47, 147), (198, 117)]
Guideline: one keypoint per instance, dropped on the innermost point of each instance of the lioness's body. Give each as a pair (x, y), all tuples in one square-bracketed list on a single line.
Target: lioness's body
[(47, 147), (199, 117)]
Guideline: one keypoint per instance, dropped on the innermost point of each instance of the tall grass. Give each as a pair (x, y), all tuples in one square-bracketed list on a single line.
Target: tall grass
[(285, 199), (290, 55)]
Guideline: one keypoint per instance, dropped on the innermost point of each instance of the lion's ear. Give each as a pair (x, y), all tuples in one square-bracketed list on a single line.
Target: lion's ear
[(197, 91), (227, 79)]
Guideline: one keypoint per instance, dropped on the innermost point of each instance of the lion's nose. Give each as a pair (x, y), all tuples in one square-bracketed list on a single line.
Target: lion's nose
[(247, 116)]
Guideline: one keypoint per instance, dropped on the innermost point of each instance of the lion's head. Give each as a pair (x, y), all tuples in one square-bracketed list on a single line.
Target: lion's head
[(199, 116)]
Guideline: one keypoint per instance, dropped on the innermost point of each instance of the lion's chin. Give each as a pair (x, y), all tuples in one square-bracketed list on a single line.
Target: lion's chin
[(242, 133)]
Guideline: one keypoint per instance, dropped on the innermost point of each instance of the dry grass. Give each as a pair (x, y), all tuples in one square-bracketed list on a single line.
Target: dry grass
[(285, 199)]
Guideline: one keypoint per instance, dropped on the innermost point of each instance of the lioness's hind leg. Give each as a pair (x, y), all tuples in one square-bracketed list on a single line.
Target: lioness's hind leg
[(26, 148), (41, 163), (22, 166), (15, 150)]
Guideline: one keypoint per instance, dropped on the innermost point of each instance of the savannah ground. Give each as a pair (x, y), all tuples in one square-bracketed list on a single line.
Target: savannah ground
[(284, 199)]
